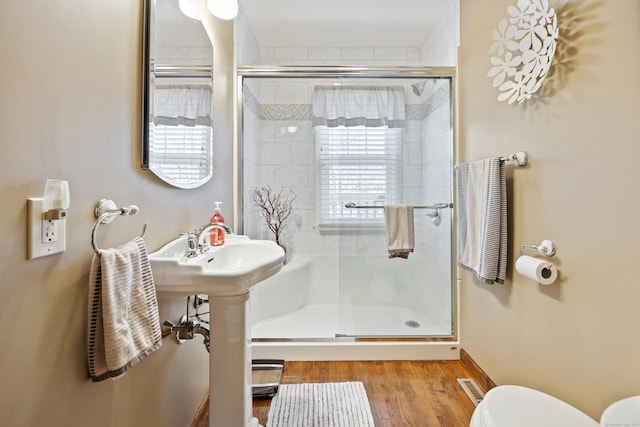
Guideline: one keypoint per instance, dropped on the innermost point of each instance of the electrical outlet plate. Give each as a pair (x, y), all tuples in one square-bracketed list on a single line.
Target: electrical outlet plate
[(38, 243)]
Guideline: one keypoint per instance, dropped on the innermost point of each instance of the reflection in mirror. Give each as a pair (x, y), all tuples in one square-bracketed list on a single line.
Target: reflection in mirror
[(178, 99)]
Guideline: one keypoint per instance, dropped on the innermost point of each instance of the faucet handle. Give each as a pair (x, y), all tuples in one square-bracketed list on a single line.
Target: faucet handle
[(203, 247), (192, 245)]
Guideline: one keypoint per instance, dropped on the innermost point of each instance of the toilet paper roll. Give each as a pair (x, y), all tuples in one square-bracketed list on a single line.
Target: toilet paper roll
[(539, 270)]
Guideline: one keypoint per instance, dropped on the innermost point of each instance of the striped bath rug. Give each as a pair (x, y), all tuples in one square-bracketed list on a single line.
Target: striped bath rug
[(342, 404)]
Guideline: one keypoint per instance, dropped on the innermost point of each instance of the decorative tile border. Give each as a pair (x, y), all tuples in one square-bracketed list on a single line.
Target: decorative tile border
[(251, 102), (286, 112), (438, 99)]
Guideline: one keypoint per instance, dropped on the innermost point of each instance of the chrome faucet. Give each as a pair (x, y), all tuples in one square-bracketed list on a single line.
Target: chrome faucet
[(195, 239)]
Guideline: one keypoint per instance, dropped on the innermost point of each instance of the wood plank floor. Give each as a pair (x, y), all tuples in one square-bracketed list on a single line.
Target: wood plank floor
[(401, 393)]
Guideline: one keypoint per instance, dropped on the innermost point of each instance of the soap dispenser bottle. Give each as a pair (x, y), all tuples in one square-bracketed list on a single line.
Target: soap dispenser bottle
[(216, 236)]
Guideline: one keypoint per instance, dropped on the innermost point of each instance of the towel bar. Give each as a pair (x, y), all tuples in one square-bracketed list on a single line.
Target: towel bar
[(352, 205), (105, 211), (521, 158)]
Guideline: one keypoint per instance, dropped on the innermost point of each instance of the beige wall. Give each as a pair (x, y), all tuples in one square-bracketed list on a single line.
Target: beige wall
[(578, 339), (69, 109)]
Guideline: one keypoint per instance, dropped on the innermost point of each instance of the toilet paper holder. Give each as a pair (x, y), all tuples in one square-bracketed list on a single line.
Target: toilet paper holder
[(547, 248)]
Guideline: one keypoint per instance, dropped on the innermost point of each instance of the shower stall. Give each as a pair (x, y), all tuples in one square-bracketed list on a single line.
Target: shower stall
[(343, 143)]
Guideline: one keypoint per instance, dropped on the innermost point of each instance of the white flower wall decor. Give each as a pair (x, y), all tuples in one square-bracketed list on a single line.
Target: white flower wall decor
[(523, 47)]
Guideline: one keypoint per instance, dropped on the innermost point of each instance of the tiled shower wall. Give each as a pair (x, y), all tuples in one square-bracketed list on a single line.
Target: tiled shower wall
[(437, 163), (279, 151), (279, 148), (364, 56)]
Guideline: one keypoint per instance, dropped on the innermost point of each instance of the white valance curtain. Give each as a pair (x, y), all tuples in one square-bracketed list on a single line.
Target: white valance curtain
[(175, 105), (335, 106)]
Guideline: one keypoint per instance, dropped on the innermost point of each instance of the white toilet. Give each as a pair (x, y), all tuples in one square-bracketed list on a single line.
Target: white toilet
[(625, 412), (516, 406)]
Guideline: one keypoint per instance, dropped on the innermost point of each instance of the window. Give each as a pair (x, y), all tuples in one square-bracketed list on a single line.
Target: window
[(357, 164), (182, 155), (181, 134)]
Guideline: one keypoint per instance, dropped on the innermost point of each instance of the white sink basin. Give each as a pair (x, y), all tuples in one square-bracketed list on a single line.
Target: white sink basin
[(230, 269)]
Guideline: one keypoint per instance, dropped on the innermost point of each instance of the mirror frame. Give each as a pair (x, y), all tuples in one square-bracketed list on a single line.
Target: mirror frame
[(148, 29), (146, 68)]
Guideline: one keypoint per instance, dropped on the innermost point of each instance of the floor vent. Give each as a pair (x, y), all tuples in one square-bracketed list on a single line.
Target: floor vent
[(471, 388)]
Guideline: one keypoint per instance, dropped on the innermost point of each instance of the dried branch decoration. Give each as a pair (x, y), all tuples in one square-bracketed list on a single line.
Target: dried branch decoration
[(275, 208)]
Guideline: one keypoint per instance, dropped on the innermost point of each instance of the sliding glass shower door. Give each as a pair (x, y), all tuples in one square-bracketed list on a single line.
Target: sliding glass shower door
[(347, 146)]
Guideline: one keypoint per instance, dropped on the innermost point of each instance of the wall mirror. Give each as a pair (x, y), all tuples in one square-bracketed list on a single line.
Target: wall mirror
[(177, 120)]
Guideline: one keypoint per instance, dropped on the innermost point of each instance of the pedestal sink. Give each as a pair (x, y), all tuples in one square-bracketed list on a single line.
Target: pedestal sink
[(226, 274)]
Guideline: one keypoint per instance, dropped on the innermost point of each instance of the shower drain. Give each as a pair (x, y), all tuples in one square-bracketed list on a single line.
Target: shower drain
[(412, 324)]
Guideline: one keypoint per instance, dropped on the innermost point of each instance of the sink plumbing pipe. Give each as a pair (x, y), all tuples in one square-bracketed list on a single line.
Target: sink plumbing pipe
[(188, 328)]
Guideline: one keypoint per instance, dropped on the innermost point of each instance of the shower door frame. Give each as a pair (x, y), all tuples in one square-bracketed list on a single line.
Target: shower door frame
[(268, 71)]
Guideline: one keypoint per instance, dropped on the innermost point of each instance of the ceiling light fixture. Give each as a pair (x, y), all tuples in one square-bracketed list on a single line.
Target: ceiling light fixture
[(189, 8), (223, 9)]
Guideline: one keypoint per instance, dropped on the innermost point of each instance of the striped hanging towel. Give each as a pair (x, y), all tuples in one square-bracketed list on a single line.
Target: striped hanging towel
[(482, 219), (124, 325)]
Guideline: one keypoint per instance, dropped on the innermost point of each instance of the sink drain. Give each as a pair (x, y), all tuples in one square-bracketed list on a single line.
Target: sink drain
[(412, 324)]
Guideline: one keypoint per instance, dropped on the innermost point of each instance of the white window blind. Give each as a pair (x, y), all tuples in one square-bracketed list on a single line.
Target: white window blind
[(357, 164), (181, 154)]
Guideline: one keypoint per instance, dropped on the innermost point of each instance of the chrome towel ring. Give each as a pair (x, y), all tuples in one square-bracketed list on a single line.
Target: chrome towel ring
[(105, 211)]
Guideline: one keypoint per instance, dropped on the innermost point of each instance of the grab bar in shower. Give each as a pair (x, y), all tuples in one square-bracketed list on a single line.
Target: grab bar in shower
[(352, 205), (434, 214)]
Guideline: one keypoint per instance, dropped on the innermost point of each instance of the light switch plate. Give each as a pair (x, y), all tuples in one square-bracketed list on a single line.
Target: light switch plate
[(37, 246)]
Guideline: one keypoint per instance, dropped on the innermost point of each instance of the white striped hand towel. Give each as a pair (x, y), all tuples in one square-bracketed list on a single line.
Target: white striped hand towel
[(482, 219), (124, 324)]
